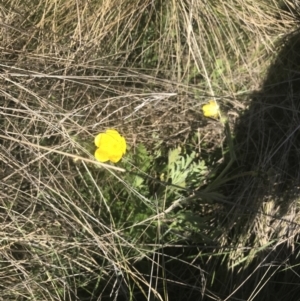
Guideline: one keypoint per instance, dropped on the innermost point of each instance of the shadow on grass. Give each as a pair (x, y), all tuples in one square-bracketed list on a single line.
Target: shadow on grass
[(265, 221), (269, 135)]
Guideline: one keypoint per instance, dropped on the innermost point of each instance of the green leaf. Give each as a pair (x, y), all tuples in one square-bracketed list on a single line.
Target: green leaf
[(174, 155)]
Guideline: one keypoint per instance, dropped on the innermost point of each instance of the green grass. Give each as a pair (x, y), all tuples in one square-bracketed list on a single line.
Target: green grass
[(198, 208)]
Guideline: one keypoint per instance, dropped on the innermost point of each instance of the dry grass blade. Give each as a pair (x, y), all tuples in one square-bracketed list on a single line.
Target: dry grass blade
[(70, 69)]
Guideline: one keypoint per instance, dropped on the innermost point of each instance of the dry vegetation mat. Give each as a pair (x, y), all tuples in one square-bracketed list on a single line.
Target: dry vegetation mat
[(202, 205)]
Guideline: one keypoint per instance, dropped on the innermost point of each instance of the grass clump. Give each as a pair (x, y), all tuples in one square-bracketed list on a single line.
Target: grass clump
[(198, 206)]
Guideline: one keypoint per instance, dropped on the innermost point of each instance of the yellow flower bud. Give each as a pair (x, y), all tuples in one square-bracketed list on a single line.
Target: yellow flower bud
[(211, 109)]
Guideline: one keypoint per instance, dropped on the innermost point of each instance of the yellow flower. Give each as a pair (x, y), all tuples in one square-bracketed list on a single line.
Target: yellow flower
[(111, 146), (211, 109)]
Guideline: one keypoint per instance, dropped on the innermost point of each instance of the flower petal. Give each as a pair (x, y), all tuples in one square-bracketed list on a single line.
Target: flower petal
[(113, 133), (101, 156), (115, 158), (211, 109), (98, 139)]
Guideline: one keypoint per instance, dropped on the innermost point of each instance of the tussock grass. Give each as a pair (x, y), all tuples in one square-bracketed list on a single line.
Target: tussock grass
[(70, 69)]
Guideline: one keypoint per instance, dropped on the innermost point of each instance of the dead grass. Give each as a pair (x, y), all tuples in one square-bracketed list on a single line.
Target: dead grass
[(70, 69)]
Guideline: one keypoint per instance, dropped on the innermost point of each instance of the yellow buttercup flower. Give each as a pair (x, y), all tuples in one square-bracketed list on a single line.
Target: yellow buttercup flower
[(211, 109), (110, 146)]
